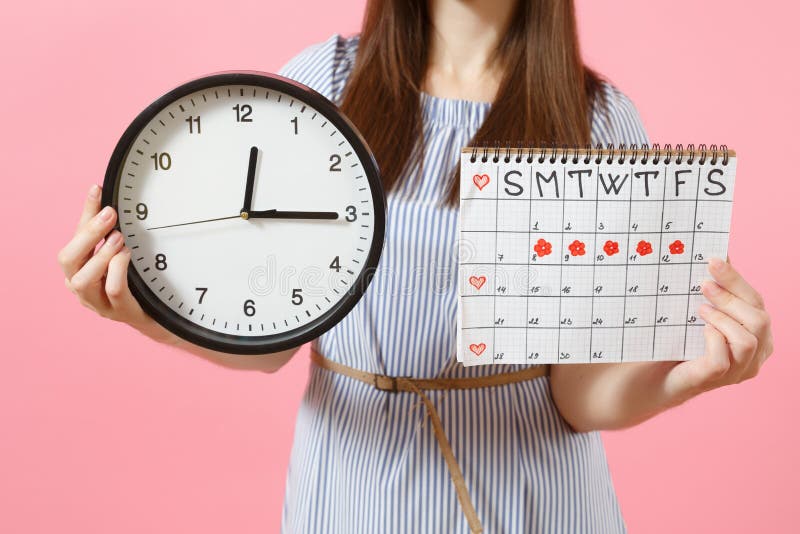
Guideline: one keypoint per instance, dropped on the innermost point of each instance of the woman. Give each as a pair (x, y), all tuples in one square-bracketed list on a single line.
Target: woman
[(420, 82)]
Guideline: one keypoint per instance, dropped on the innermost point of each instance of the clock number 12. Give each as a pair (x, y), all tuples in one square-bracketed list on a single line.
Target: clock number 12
[(243, 112)]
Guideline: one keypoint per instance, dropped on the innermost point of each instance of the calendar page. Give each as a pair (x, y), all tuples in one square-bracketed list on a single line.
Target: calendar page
[(581, 257)]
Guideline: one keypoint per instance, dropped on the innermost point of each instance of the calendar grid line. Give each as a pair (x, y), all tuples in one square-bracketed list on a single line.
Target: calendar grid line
[(694, 228), (494, 278), (567, 328), (629, 232), (560, 271), (658, 273), (640, 295), (528, 255), (577, 265), (591, 316), (627, 269), (622, 201)]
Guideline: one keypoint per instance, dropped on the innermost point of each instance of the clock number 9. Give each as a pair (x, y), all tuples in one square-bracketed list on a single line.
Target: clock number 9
[(351, 214), (141, 211), (249, 308), (243, 112)]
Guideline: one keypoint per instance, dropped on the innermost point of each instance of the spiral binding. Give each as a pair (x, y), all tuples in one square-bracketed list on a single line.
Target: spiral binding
[(642, 153)]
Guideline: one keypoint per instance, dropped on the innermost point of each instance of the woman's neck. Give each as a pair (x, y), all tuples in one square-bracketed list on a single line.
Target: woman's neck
[(464, 35)]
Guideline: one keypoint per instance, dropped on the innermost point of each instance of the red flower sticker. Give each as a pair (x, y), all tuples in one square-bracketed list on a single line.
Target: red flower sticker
[(611, 248), (577, 248), (542, 248), (676, 247), (644, 248)]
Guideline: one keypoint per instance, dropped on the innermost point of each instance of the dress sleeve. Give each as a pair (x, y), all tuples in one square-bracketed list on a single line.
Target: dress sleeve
[(324, 66), (615, 120)]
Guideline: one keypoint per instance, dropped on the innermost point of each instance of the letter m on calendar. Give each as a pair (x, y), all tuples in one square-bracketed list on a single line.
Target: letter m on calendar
[(587, 256)]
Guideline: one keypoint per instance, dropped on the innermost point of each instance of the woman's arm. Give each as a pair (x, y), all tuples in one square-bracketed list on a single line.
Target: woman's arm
[(616, 395), (98, 277), (268, 363)]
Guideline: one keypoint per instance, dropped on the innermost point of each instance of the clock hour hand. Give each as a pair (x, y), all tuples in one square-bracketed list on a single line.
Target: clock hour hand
[(251, 178), (280, 214)]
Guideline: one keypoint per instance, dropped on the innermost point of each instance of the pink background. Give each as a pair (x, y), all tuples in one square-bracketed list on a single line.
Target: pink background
[(103, 431)]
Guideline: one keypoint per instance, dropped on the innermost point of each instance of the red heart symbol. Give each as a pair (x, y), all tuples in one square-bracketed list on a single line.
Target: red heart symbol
[(481, 180), (478, 349), (477, 281)]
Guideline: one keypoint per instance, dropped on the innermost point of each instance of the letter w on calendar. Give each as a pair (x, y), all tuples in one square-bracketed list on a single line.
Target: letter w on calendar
[(569, 257)]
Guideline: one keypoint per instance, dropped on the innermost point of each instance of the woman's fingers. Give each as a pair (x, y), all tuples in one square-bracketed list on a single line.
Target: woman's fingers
[(756, 320), (743, 344), (117, 290), (703, 373), (87, 283), (91, 206), (727, 277), (73, 256)]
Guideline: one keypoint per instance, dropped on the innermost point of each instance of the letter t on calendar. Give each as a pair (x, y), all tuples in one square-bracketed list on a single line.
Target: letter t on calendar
[(584, 256)]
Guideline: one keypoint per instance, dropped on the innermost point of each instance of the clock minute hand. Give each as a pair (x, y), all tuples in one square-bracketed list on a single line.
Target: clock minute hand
[(251, 178), (281, 214)]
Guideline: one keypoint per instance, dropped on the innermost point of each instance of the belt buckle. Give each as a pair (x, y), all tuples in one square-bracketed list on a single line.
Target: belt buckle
[(386, 383)]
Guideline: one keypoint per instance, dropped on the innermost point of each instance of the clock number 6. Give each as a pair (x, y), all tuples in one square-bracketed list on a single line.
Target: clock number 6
[(249, 308)]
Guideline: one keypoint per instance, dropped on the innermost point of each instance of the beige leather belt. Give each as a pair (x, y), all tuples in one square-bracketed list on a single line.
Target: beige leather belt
[(419, 386)]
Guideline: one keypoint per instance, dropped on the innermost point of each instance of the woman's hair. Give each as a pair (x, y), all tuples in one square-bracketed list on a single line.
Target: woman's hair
[(545, 97)]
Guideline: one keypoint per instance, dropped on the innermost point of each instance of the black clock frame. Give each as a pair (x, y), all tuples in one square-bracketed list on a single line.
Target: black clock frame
[(252, 345)]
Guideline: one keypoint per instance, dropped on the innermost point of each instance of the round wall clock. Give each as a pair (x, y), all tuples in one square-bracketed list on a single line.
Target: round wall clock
[(253, 210)]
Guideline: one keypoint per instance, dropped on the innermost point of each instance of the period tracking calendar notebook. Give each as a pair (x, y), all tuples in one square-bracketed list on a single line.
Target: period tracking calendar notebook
[(586, 255)]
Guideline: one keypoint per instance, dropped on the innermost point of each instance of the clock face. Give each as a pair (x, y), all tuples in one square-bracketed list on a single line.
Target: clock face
[(253, 211)]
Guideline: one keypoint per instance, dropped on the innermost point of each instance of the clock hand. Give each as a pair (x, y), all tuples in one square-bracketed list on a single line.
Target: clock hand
[(196, 222), (279, 214), (251, 178)]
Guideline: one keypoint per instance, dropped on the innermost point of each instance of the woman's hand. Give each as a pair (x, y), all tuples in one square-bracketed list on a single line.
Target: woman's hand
[(737, 333), (98, 276), (616, 395)]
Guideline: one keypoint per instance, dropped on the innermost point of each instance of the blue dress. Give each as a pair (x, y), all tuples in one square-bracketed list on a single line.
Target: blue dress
[(366, 460)]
